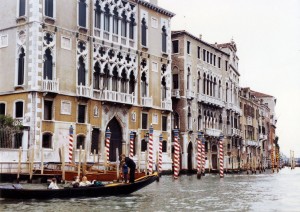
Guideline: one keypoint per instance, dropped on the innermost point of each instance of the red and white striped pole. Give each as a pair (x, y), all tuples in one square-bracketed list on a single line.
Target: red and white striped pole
[(107, 143), (203, 156), (199, 158), (70, 144), (131, 144), (150, 155), (160, 154), (176, 154), (221, 156)]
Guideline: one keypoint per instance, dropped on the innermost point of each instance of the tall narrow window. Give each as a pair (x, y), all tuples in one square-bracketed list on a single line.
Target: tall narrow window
[(175, 46), (144, 32), (106, 18), (81, 71), (198, 83), (164, 146), (97, 76), (164, 122), (124, 25), (144, 84), (81, 113), (214, 60), (47, 140), (49, 8), (18, 140), (124, 81), (131, 82), (164, 88), (219, 62), (189, 118), (2, 109), (188, 47), (80, 142), (226, 65), (131, 27), (176, 121), (48, 65), (82, 13), (21, 67), (95, 140), (198, 52), (106, 77), (204, 55), (19, 110), (175, 81), (97, 16), (164, 39), (22, 7), (144, 121), (144, 145), (115, 21), (48, 110), (115, 79)]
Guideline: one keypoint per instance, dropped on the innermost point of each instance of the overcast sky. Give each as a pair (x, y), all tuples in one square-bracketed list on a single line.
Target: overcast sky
[(267, 34)]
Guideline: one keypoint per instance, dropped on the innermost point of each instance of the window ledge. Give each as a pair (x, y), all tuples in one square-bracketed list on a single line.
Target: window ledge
[(49, 20), (19, 87), (164, 54), (145, 48), (21, 19), (82, 30)]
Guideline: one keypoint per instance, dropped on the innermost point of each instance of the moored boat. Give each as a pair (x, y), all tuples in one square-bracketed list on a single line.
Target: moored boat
[(113, 189)]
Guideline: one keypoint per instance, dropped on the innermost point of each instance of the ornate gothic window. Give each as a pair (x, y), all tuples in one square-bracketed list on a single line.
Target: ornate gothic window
[(48, 65), (106, 77), (115, 79), (97, 15), (97, 76), (144, 32), (124, 81), (144, 85), (124, 25), (131, 27), (21, 66), (106, 18), (81, 71), (115, 21), (131, 82)]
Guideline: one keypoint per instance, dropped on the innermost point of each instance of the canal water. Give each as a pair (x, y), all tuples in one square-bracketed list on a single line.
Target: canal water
[(260, 192)]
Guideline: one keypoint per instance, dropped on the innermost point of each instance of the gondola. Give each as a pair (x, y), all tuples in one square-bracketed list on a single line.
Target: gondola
[(113, 189)]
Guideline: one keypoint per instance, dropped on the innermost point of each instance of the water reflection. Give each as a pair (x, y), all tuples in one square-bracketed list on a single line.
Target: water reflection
[(261, 192)]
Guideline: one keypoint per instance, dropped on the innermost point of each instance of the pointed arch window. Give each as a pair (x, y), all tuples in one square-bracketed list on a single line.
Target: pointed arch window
[(131, 82), (163, 88), (48, 65), (115, 79), (189, 119), (21, 66), (106, 77), (124, 25), (124, 81), (116, 21), (81, 71), (220, 89), (97, 76), (188, 79), (144, 32), (131, 27), (106, 18), (97, 20), (144, 84), (82, 13), (164, 39), (198, 83)]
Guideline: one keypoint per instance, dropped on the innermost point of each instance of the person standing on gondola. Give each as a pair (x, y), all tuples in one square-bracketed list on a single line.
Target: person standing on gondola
[(131, 165)]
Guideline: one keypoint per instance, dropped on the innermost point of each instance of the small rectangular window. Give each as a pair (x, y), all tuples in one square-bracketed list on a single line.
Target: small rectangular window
[(175, 81), (204, 55), (226, 65), (48, 110), (144, 121), (81, 113), (49, 8), (82, 13), (175, 47), (211, 58), (19, 110), (219, 62), (2, 109), (214, 60), (198, 52), (207, 56), (164, 123), (188, 47), (22, 7)]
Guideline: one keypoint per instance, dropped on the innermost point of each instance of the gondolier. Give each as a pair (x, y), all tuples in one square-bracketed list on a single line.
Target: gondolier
[(131, 165)]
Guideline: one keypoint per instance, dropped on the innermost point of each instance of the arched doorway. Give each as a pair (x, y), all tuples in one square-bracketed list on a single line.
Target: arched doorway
[(190, 157), (115, 139), (214, 157)]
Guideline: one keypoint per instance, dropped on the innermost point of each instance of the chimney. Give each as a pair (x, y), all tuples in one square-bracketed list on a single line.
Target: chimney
[(153, 2), (200, 36)]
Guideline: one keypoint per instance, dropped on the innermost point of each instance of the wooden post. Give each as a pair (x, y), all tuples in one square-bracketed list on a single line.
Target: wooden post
[(84, 162), (19, 163), (139, 158), (146, 162), (42, 160), (79, 161), (94, 156), (118, 165), (63, 163)]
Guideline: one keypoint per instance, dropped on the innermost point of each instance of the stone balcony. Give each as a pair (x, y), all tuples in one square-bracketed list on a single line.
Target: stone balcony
[(176, 93), (210, 100), (50, 85), (114, 96), (147, 102), (83, 91), (166, 105), (213, 132)]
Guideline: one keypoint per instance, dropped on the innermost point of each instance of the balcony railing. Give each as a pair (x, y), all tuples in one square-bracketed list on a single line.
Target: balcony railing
[(114, 96), (83, 90), (147, 102), (213, 132), (190, 94), (252, 143), (50, 85), (166, 105), (210, 100), (176, 93)]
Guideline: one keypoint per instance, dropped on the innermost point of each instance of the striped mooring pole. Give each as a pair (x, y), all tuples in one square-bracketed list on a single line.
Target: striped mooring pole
[(150, 155), (131, 144), (199, 158), (107, 143), (160, 154), (203, 157), (176, 154), (221, 156), (70, 144)]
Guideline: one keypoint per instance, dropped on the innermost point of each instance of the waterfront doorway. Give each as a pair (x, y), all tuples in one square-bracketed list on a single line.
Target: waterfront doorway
[(115, 139), (214, 157), (190, 157)]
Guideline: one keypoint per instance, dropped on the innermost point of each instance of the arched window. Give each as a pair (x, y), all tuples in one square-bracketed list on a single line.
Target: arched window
[(97, 15), (204, 83), (21, 66), (80, 141), (164, 146), (189, 119), (164, 88), (124, 25), (48, 65), (106, 18), (82, 13), (115, 21), (220, 89), (198, 83), (207, 85), (124, 81), (106, 78), (144, 145), (144, 84), (226, 97), (144, 32), (188, 79), (131, 82), (47, 140), (115, 79), (81, 71), (164, 39), (97, 76), (131, 27)]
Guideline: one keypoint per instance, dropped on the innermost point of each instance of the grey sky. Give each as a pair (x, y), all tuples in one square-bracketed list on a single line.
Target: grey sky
[(267, 34)]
